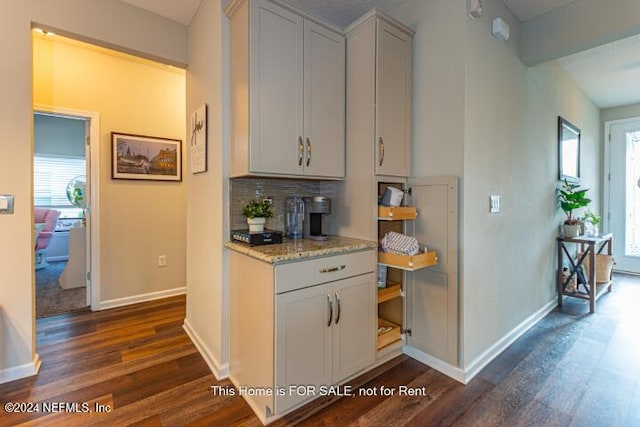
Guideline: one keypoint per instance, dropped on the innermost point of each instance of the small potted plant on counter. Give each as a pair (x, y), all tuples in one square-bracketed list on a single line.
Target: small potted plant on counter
[(257, 212), (571, 197)]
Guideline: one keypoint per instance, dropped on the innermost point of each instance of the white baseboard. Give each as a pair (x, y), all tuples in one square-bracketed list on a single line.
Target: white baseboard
[(485, 358), (135, 299), (435, 363), (218, 370), (22, 371)]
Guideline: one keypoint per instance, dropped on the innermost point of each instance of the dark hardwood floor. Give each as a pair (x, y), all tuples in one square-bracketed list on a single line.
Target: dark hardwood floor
[(571, 369)]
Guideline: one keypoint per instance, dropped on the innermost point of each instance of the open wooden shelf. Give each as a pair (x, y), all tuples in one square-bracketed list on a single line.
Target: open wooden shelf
[(393, 290), (408, 262), (397, 213), (601, 288), (390, 336)]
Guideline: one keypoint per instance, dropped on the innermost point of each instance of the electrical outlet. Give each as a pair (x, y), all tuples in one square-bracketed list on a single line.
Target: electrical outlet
[(162, 261), (268, 200)]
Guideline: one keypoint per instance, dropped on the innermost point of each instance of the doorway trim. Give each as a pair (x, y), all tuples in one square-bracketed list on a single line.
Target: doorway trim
[(94, 190), (606, 177)]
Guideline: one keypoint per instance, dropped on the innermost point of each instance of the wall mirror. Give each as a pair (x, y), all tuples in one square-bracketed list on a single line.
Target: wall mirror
[(568, 151)]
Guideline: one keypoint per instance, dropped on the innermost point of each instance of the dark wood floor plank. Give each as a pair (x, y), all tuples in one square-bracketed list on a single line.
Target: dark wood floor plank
[(332, 411), (564, 388), (571, 369), (452, 406), (606, 401), (400, 408)]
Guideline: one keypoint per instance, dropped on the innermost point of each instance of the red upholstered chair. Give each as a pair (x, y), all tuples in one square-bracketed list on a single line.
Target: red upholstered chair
[(48, 217)]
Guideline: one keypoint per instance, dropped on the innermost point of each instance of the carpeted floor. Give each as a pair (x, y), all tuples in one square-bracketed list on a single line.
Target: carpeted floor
[(51, 299)]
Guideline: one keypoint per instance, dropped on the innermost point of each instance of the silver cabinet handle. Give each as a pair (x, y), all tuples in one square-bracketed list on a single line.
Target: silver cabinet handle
[(381, 143), (332, 269), (308, 152), (300, 151), (339, 310), (330, 310)]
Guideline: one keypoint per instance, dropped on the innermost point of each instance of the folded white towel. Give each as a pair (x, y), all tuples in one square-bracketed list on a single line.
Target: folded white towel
[(399, 243)]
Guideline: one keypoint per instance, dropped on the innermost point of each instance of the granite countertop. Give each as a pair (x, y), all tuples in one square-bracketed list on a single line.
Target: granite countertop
[(292, 250)]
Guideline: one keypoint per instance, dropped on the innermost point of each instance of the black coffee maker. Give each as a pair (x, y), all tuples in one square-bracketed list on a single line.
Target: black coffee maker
[(316, 209)]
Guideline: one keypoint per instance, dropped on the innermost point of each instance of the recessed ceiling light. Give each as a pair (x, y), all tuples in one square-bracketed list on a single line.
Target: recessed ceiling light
[(44, 32)]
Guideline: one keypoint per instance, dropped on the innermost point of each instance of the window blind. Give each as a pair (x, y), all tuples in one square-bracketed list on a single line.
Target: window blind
[(51, 174)]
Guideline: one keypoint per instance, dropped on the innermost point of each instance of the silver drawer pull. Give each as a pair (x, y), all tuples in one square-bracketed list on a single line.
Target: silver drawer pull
[(300, 151), (332, 269)]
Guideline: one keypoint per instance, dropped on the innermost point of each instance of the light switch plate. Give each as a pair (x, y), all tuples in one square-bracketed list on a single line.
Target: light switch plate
[(6, 204), (494, 203)]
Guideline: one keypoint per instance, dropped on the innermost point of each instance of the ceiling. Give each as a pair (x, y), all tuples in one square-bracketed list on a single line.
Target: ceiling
[(608, 74), (529, 9), (339, 12)]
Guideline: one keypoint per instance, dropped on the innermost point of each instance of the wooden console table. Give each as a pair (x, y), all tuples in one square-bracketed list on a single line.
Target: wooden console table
[(589, 247)]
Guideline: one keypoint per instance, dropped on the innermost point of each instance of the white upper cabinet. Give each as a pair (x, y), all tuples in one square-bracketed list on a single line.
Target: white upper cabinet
[(379, 95), (324, 101), (287, 93), (393, 100)]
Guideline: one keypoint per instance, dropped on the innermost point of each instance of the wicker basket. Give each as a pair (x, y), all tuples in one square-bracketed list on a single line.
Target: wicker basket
[(604, 265)]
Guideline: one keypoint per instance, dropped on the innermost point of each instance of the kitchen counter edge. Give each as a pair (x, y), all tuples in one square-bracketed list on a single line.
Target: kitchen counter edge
[(294, 250)]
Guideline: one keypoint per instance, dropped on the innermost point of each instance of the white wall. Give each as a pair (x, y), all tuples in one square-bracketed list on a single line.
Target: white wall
[(112, 21), (481, 114), (511, 150), (207, 218), (59, 136), (139, 220), (438, 85)]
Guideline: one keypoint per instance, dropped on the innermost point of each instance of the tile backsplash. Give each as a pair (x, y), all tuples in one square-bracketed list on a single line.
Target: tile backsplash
[(245, 189)]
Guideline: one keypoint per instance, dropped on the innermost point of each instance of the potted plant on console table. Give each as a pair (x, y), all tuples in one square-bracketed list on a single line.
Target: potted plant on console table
[(571, 197), (257, 212)]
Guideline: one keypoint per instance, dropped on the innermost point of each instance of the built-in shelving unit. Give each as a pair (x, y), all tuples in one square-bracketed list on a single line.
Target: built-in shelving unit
[(390, 292), (399, 213), (390, 297), (408, 262)]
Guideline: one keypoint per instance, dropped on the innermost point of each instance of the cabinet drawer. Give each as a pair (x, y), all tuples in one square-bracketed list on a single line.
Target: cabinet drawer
[(301, 274)]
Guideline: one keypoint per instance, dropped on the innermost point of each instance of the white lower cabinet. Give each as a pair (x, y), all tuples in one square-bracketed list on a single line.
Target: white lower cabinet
[(298, 326), (320, 336)]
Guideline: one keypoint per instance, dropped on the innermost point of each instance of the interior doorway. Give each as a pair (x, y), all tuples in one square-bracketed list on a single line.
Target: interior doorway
[(65, 189), (622, 182)]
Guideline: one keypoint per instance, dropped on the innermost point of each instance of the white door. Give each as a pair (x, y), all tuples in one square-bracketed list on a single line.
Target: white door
[(432, 303), (624, 194)]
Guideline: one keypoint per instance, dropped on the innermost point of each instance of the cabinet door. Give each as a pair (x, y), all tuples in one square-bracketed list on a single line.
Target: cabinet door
[(324, 101), (304, 321), (393, 101), (276, 90), (432, 308), (354, 330)]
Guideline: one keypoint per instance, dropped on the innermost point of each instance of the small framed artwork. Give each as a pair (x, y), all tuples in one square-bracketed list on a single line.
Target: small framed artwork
[(145, 157), (568, 151), (198, 141)]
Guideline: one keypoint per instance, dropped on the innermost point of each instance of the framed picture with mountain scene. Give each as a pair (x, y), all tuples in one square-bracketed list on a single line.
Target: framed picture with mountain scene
[(145, 157)]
